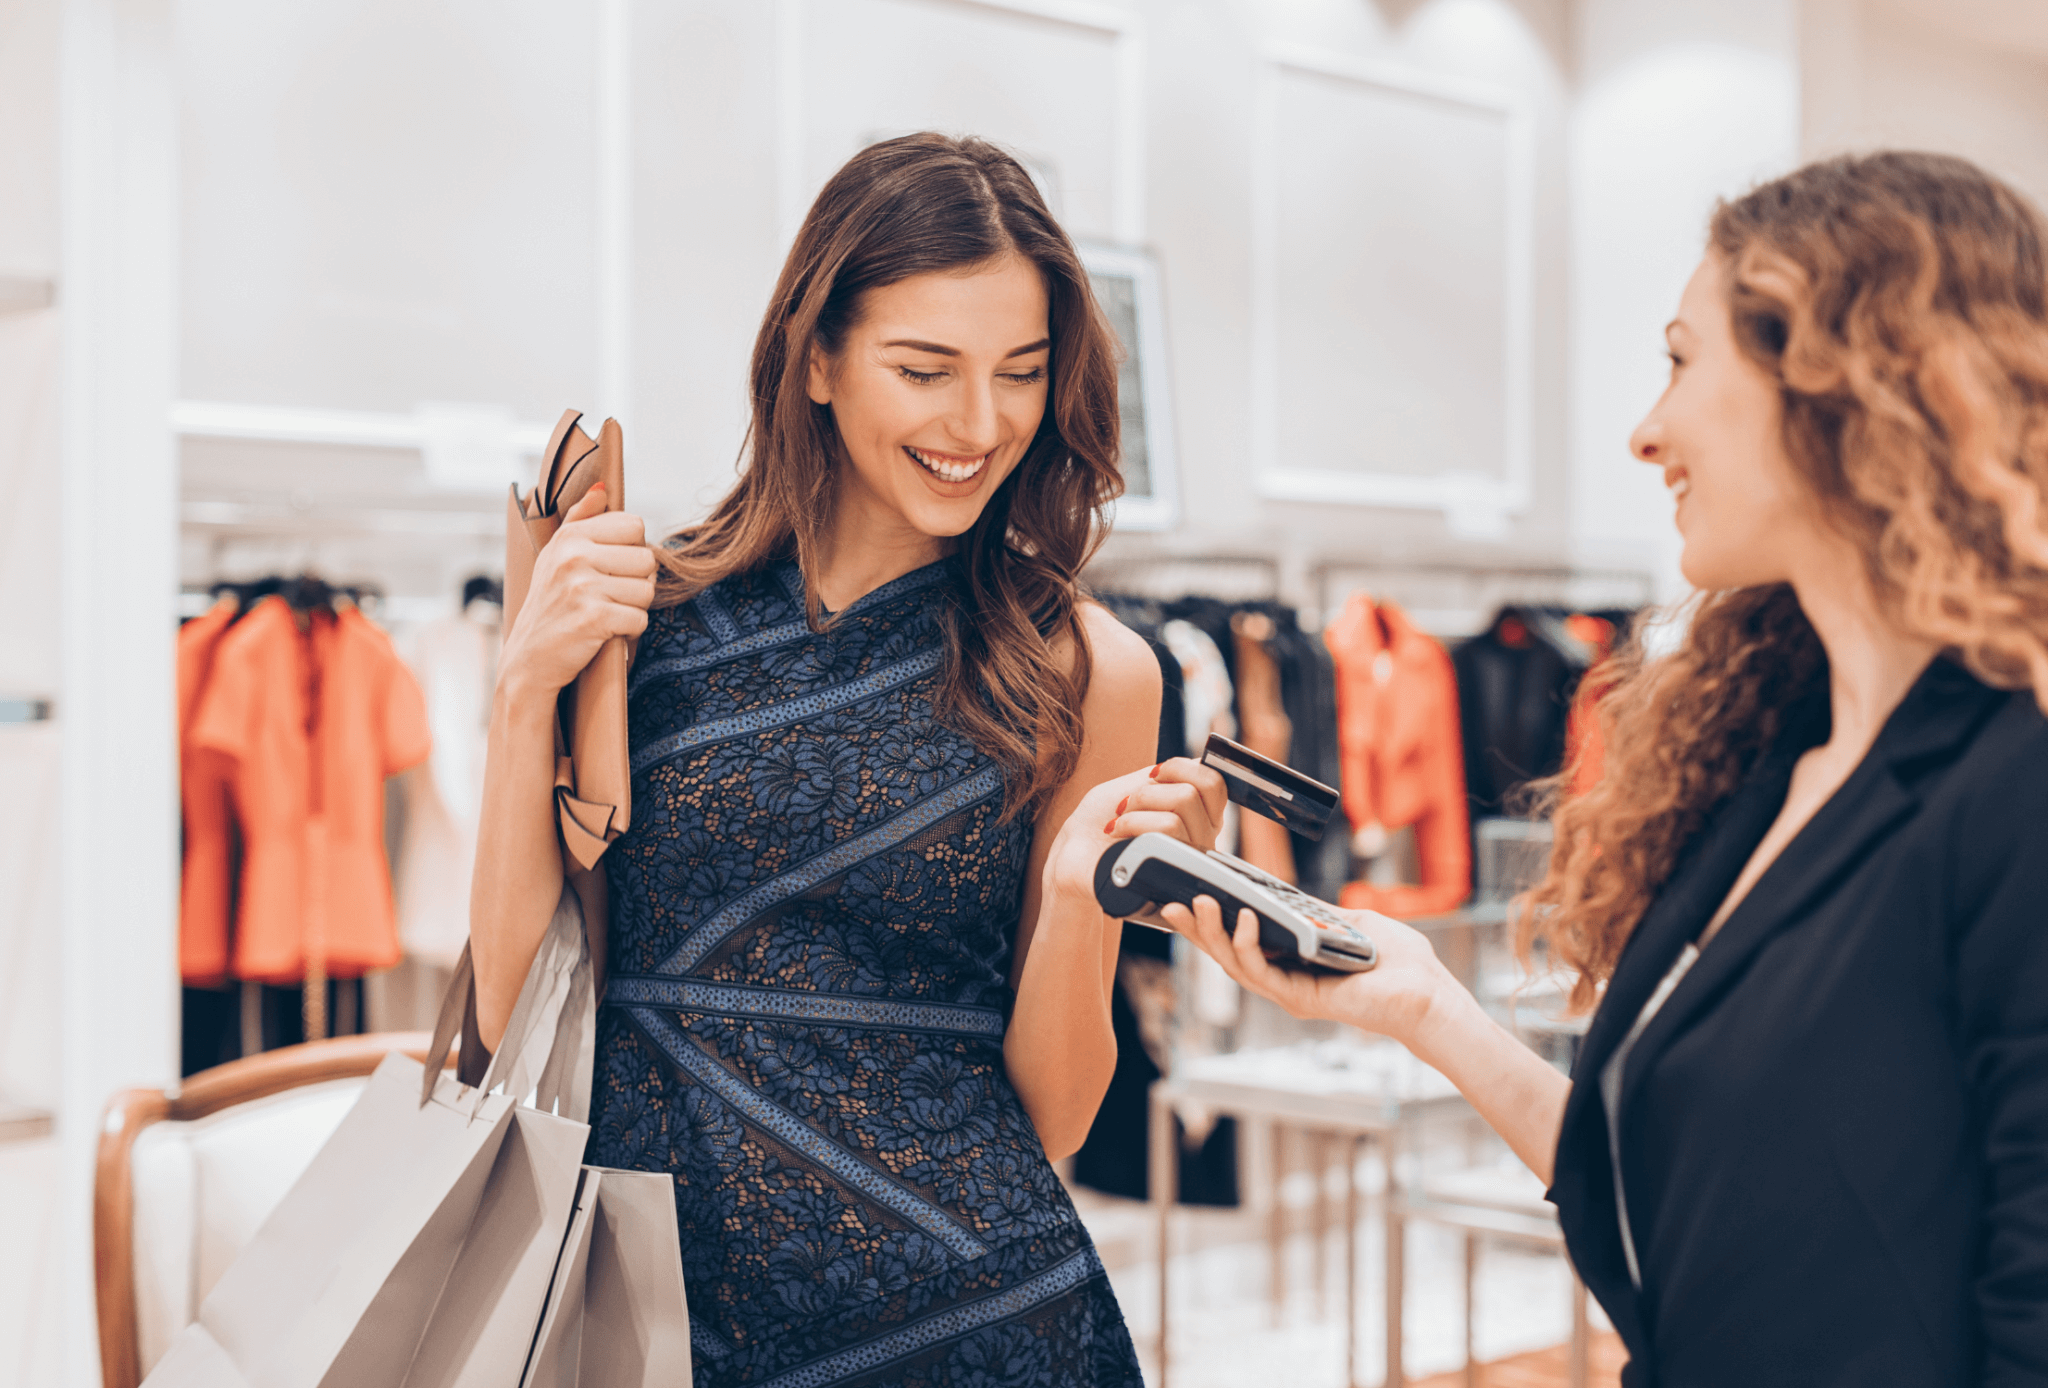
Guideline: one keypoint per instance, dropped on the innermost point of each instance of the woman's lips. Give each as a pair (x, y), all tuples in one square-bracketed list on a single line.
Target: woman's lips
[(948, 467)]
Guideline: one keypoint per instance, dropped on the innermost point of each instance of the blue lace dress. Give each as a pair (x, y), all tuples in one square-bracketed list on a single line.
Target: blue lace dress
[(812, 922)]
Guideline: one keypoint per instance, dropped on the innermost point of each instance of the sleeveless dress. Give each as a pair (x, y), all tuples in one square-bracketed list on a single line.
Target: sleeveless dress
[(812, 921)]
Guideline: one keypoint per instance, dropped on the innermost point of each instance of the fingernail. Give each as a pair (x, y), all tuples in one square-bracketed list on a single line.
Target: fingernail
[(1122, 803), (1153, 773), (1109, 828)]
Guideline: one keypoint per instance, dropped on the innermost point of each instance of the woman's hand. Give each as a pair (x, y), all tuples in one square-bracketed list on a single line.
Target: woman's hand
[(1401, 997), (594, 580), (1180, 796)]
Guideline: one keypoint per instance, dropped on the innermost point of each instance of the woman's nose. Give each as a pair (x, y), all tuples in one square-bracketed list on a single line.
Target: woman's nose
[(1647, 442), (974, 427)]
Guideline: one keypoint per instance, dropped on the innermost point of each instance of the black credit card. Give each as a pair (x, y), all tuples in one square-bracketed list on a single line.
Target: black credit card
[(1263, 786)]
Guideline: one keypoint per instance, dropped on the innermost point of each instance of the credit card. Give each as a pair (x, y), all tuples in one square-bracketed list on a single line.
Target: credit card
[(1263, 786)]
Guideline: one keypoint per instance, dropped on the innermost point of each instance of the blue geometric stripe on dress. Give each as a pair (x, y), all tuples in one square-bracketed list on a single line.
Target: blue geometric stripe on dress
[(778, 1121), (706, 1341), (746, 645), (1056, 1280), (711, 608), (800, 879), (795, 1005), (789, 711)]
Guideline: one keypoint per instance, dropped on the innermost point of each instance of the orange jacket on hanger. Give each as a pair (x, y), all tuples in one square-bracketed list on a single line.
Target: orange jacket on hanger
[(312, 722), (205, 882), (1397, 731), (1585, 750)]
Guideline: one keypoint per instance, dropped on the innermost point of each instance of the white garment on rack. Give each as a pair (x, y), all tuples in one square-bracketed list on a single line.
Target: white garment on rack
[(455, 660), (1208, 696)]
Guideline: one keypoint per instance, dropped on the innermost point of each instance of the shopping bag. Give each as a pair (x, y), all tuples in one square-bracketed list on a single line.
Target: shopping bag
[(616, 1316), (365, 1238), (418, 1247)]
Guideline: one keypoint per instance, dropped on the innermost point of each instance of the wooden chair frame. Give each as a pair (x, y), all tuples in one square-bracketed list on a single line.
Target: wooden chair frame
[(209, 1091)]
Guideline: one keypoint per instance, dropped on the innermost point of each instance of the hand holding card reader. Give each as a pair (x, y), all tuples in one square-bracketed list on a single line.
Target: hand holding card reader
[(1136, 877)]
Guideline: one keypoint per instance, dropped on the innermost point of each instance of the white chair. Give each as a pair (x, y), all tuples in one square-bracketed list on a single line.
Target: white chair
[(184, 1180)]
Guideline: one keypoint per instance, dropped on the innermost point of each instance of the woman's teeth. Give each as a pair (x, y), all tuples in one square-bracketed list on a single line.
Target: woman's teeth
[(1681, 487), (946, 469)]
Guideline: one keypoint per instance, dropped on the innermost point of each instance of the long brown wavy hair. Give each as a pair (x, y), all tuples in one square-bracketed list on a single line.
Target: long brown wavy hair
[(1901, 302), (910, 206)]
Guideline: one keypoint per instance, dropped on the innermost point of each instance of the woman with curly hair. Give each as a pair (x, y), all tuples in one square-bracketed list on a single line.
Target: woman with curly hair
[(1806, 1138), (858, 992)]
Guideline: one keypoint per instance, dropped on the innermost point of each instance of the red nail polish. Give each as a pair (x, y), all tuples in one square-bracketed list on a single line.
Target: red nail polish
[(1121, 804), (1109, 828), (1153, 773)]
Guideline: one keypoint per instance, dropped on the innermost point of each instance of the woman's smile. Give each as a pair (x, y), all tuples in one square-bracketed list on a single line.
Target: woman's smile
[(951, 468)]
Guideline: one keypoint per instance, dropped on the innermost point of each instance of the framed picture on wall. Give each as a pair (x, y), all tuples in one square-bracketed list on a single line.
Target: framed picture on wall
[(1127, 286)]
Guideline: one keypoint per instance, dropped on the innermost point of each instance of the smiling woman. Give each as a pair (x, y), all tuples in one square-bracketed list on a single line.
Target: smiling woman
[(859, 984)]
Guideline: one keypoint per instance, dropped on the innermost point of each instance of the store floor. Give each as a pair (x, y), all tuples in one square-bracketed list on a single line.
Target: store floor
[(1227, 1334)]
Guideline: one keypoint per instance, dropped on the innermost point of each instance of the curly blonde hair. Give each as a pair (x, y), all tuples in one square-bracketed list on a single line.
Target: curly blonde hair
[(1901, 302)]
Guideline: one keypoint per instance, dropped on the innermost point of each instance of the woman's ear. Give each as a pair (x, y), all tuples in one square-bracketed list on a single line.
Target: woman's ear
[(821, 378)]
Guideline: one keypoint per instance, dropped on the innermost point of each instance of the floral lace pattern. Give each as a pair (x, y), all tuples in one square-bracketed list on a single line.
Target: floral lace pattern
[(812, 922)]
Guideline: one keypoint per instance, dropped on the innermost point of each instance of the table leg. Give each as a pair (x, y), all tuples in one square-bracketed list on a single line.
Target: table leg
[(1259, 1180), (1581, 1353), (1471, 1329), (1162, 1186), (1276, 1222), (1351, 1147), (1397, 1261), (1319, 1218)]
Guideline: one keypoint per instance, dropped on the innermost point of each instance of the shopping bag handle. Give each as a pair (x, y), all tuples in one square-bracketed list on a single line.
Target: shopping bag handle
[(557, 1005)]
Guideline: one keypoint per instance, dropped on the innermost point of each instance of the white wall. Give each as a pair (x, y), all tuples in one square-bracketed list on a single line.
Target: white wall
[(31, 935), (338, 260), (1968, 79), (1679, 104)]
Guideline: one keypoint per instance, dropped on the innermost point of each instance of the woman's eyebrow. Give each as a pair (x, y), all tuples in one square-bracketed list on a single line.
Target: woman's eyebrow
[(939, 350)]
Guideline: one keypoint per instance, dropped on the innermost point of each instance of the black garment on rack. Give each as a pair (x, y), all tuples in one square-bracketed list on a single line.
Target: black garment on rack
[(1515, 685), (210, 1021)]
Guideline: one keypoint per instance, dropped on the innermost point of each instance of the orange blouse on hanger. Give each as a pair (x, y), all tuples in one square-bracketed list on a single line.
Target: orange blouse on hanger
[(205, 882), (1397, 734), (313, 722)]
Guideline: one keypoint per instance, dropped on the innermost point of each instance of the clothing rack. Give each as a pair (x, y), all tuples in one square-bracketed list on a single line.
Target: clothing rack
[(1454, 601), (1229, 577), (246, 519)]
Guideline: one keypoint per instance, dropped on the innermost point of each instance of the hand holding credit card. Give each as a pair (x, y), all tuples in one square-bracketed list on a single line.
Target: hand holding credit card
[(1136, 877), (1280, 793)]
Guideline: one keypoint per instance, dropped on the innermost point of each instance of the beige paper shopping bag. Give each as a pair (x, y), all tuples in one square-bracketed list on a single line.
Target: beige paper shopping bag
[(339, 1283), (616, 1317), (418, 1247)]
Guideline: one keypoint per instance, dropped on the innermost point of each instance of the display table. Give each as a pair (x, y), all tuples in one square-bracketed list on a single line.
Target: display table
[(1363, 1092)]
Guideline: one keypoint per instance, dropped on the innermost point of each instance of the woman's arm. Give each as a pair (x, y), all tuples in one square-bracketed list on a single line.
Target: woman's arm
[(1059, 1050), (1412, 998), (593, 580)]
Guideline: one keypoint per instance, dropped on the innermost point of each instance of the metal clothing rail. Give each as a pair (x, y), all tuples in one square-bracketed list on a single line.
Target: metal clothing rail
[(1456, 600), (1229, 577), (340, 518)]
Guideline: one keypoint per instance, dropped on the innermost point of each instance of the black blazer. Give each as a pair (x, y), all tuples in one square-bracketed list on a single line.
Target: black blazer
[(1835, 1132)]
